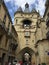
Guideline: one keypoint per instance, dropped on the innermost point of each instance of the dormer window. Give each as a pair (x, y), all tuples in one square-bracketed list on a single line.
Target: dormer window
[(26, 23)]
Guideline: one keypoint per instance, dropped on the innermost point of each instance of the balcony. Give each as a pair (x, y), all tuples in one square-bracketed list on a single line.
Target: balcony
[(47, 22), (2, 27), (47, 35)]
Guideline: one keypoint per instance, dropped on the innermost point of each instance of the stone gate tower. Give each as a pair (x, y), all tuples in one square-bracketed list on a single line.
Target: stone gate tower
[(26, 24)]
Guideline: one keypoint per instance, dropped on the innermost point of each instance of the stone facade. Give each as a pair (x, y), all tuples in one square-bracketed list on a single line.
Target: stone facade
[(8, 36)]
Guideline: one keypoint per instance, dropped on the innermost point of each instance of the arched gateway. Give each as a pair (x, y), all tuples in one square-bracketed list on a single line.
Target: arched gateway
[(27, 55)]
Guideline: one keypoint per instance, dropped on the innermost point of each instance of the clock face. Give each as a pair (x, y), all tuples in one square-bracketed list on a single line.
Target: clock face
[(26, 33)]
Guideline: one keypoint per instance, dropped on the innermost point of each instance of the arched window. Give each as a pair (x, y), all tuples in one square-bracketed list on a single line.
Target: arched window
[(26, 23)]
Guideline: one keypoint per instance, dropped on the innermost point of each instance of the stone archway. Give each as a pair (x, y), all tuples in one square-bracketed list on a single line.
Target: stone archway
[(29, 51)]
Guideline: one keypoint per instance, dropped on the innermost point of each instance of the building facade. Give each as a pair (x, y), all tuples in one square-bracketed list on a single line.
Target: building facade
[(8, 36), (27, 38)]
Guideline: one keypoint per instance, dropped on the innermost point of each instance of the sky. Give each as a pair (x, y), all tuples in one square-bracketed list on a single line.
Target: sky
[(13, 5)]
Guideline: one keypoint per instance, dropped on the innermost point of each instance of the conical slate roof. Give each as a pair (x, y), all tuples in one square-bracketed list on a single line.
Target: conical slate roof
[(19, 9), (27, 10)]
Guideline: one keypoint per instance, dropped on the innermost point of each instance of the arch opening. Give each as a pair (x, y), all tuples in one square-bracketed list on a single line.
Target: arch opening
[(26, 23), (26, 54)]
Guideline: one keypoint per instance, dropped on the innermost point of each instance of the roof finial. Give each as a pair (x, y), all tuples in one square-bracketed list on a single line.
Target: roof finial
[(26, 5)]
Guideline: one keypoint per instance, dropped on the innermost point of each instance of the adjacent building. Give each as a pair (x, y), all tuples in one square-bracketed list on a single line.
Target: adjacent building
[(8, 36)]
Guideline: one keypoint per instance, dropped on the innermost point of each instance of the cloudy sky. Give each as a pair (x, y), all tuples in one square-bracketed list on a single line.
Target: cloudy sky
[(13, 5)]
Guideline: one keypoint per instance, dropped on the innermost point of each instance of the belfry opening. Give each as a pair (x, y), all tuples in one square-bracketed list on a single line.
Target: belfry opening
[(26, 23), (26, 55)]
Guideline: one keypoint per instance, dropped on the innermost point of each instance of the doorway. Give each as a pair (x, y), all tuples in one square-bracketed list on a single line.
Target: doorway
[(25, 55), (26, 58), (2, 59)]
